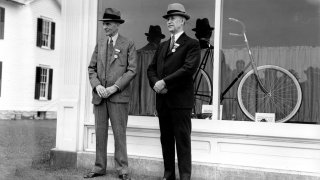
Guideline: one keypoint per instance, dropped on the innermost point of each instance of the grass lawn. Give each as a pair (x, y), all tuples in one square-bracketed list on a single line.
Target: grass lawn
[(25, 153)]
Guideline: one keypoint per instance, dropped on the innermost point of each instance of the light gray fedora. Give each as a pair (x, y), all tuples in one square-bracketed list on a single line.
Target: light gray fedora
[(176, 9)]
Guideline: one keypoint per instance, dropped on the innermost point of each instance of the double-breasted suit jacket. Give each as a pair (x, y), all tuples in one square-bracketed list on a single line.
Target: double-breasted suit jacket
[(176, 68), (120, 69)]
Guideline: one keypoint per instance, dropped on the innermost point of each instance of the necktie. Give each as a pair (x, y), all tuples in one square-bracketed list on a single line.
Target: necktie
[(172, 42), (110, 48), (109, 54)]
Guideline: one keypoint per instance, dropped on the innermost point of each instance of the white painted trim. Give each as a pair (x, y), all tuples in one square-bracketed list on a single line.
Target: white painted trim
[(216, 63), (238, 128), (88, 32), (244, 128)]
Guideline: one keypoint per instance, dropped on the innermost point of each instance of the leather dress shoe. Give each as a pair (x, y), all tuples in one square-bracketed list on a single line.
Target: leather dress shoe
[(92, 175), (124, 177)]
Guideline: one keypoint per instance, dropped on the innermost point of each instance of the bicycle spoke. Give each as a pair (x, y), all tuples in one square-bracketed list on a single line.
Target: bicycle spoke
[(279, 107), (283, 95)]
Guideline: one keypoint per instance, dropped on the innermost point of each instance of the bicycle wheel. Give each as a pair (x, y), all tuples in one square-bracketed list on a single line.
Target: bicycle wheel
[(202, 92), (283, 97)]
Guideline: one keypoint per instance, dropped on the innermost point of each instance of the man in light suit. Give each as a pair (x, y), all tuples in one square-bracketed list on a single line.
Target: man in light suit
[(111, 69), (171, 77)]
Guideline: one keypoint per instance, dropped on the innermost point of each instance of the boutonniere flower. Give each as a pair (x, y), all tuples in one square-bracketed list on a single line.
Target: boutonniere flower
[(117, 51), (175, 46)]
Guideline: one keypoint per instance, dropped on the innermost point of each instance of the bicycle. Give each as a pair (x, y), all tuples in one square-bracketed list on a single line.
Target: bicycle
[(263, 89), (203, 85)]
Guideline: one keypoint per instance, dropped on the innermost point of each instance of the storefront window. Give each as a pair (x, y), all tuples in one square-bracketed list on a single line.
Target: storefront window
[(281, 33), (143, 18)]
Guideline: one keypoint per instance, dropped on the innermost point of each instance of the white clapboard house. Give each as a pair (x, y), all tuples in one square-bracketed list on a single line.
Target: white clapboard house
[(29, 58)]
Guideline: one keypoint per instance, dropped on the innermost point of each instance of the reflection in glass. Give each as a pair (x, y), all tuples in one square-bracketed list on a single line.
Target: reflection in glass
[(284, 33), (143, 97)]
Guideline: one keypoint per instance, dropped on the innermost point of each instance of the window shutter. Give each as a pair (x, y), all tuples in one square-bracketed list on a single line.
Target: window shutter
[(50, 84), (2, 23), (0, 76), (37, 84), (53, 32), (39, 32)]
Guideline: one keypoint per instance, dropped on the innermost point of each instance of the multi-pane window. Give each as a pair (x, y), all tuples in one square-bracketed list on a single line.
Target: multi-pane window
[(43, 86), (45, 41), (45, 33), (2, 23), (44, 83)]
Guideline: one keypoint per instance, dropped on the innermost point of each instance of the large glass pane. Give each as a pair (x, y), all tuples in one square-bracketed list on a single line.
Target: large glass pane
[(281, 33), (139, 16)]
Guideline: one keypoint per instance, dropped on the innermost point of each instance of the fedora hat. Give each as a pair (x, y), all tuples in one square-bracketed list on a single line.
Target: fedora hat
[(111, 14), (202, 25), (176, 9), (155, 31)]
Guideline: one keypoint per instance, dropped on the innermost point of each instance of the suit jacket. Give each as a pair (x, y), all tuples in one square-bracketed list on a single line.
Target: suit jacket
[(120, 71), (176, 69)]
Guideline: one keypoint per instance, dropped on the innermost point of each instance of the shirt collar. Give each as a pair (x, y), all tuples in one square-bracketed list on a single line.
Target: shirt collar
[(114, 39), (176, 36)]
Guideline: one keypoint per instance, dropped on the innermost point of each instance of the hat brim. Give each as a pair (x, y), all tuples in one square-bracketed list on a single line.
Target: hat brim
[(162, 36), (197, 29), (112, 20), (177, 14)]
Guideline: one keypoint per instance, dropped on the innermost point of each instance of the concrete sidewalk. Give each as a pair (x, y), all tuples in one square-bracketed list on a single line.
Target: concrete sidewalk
[(25, 153)]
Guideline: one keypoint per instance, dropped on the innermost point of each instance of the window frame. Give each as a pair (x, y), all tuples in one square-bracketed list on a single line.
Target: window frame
[(43, 83), (45, 33)]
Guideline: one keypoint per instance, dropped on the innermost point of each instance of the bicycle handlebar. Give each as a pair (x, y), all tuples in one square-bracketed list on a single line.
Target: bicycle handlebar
[(234, 34), (233, 19), (240, 22)]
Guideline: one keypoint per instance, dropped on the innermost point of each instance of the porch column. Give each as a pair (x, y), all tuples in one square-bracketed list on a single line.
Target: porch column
[(79, 21)]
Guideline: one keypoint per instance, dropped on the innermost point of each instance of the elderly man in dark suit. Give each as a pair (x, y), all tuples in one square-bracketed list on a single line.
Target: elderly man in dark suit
[(111, 69), (171, 76)]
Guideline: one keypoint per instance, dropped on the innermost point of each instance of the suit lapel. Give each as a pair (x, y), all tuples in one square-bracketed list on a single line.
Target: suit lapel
[(181, 41), (165, 48), (118, 45)]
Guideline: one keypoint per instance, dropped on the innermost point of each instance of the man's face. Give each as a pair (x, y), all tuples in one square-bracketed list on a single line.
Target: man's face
[(175, 24), (111, 28)]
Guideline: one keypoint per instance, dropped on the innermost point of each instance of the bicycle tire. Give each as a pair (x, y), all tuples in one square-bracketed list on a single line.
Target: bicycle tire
[(202, 92), (284, 93)]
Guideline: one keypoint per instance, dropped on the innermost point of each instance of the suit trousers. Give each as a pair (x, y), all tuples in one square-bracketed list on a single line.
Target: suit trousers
[(175, 129), (118, 115)]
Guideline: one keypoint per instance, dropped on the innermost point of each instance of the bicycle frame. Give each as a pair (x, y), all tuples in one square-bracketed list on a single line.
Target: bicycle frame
[(252, 62)]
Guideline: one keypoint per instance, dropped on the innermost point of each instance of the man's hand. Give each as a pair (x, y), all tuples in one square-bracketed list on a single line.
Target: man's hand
[(159, 86), (101, 91), (163, 91), (111, 90)]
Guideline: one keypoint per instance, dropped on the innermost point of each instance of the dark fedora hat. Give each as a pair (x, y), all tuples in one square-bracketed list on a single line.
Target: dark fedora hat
[(155, 31), (176, 9), (202, 25), (111, 14)]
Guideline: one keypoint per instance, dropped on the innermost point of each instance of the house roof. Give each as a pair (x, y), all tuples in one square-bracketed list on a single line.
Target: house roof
[(25, 2), (21, 2)]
